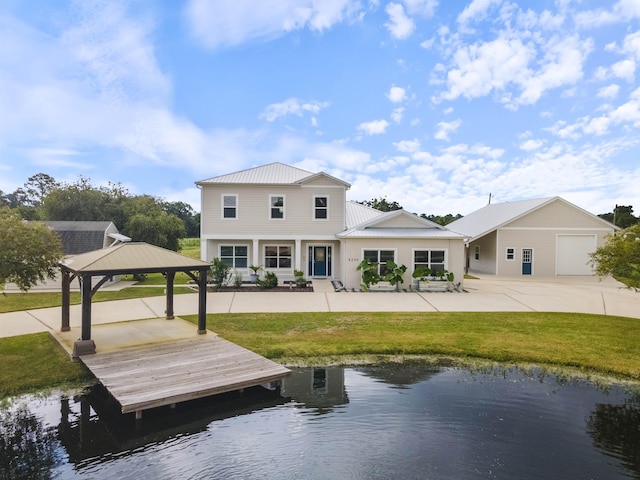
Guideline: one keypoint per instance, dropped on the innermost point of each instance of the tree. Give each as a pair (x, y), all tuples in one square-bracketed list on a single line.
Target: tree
[(620, 257), (441, 219), (622, 216), (382, 204), (30, 251), (160, 229), (185, 212)]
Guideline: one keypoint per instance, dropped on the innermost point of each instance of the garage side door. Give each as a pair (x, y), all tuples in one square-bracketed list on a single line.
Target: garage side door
[(573, 254)]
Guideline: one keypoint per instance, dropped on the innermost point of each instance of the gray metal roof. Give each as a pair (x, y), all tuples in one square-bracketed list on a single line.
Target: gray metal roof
[(493, 216), (374, 227), (271, 174), (356, 213), (81, 236), (128, 257)]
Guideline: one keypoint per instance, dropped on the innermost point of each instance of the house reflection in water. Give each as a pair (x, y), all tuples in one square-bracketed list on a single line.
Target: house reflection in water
[(321, 388)]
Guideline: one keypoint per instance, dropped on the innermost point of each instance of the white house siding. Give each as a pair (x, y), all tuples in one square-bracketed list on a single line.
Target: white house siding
[(487, 261), (253, 211), (352, 254)]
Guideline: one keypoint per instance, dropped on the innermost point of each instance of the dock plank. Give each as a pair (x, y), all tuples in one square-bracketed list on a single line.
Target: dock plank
[(151, 376)]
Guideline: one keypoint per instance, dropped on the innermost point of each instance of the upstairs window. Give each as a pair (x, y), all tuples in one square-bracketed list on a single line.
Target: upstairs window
[(320, 208), (229, 206), (276, 205)]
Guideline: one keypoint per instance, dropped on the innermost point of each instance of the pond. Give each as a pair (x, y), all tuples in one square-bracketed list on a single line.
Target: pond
[(410, 421)]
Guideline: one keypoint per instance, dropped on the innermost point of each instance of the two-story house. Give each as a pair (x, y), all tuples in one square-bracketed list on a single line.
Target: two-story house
[(284, 218)]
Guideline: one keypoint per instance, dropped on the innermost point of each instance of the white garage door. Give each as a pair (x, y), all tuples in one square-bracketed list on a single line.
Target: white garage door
[(573, 254)]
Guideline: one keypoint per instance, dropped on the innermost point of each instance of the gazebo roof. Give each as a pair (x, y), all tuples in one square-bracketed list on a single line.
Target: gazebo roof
[(131, 257)]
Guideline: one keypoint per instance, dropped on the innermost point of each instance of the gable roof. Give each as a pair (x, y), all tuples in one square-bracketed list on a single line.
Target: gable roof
[(131, 257), (81, 236), (356, 213), (375, 228), (271, 174), (496, 215)]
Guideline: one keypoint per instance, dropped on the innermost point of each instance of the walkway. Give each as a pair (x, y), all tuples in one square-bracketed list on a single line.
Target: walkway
[(487, 294)]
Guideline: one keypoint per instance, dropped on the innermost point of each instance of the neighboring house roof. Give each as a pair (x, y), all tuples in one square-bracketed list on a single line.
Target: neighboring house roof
[(496, 215), (271, 174), (414, 227), (356, 213), (129, 257), (80, 236)]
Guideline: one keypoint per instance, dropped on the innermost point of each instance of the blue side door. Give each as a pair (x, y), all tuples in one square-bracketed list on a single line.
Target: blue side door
[(527, 261)]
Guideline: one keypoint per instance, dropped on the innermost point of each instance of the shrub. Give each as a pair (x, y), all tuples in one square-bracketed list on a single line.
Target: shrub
[(270, 280), (219, 272)]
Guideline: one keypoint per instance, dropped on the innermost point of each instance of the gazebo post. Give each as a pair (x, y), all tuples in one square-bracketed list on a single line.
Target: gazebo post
[(202, 302), (66, 287), (169, 311), (84, 345)]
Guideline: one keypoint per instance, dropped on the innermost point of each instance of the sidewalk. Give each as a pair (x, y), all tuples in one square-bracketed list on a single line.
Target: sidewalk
[(487, 294)]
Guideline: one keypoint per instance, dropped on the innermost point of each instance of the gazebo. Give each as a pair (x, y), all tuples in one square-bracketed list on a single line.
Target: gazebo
[(133, 257)]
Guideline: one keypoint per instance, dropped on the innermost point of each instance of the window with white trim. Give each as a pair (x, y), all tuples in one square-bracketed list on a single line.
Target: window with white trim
[(320, 208), (276, 207), (236, 256), (277, 256), (511, 253), (433, 259), (381, 257), (229, 206), (476, 254)]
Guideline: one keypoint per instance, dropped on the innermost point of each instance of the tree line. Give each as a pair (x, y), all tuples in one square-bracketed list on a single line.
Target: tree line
[(144, 218), (385, 205)]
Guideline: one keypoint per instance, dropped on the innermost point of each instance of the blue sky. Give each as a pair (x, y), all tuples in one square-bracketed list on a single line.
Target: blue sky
[(433, 104)]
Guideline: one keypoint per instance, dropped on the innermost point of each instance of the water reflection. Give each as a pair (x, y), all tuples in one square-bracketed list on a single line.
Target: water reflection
[(387, 421)]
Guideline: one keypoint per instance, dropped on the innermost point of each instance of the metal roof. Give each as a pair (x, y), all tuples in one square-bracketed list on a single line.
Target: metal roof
[(129, 257), (271, 174), (81, 236), (493, 216), (402, 233), (356, 213)]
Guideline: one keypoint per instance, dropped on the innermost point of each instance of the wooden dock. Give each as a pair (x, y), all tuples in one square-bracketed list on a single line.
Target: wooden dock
[(149, 376)]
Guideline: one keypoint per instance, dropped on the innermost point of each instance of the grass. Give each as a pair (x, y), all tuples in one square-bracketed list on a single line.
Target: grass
[(35, 362), (592, 343)]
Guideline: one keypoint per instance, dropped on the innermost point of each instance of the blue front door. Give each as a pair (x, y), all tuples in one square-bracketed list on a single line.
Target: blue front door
[(527, 261), (319, 261)]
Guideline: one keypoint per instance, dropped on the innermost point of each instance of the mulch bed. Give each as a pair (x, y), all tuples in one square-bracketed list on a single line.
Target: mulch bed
[(253, 288)]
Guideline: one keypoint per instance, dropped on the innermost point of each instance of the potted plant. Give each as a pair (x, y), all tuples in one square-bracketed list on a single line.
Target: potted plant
[(370, 274), (300, 280), (253, 277), (395, 273), (422, 274)]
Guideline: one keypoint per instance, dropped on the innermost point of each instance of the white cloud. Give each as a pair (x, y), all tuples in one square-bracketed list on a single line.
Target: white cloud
[(531, 144), (446, 128), (622, 11), (292, 106), (476, 10), (397, 94), (225, 23), (407, 146), (397, 114), (399, 25), (376, 127), (425, 8), (624, 69), (609, 92)]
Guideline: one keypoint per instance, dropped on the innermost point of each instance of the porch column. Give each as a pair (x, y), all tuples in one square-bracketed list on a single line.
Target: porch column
[(255, 253), (298, 260), (84, 345)]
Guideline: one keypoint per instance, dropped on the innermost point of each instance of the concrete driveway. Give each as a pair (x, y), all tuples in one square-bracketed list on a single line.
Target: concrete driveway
[(486, 294)]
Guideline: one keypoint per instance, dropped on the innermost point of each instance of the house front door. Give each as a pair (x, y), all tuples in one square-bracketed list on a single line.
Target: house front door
[(320, 260), (527, 261)]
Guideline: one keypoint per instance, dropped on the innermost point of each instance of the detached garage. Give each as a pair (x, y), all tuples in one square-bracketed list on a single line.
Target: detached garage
[(543, 237)]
